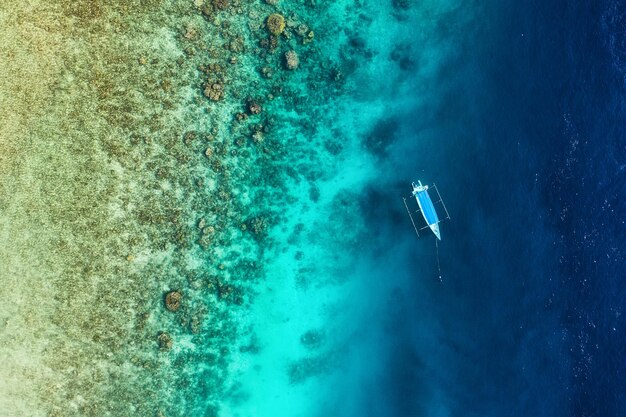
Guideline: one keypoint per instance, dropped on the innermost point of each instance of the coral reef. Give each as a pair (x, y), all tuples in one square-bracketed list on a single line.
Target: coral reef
[(214, 91), (173, 300), (220, 4), (254, 107), (165, 341), (275, 23), (292, 61), (171, 169)]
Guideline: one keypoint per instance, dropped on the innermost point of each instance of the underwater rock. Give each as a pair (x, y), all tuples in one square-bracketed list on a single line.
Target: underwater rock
[(305, 368), (204, 242), (191, 33), (258, 226), (220, 4), (305, 33), (336, 74), (257, 137), (401, 4), (172, 300), (358, 42), (254, 107), (165, 341), (271, 2), (236, 45), (302, 30), (312, 339), (215, 69), (194, 325), (401, 54), (270, 43), (224, 290), (214, 91), (267, 72), (189, 137), (292, 61), (382, 135), (275, 24), (308, 38)]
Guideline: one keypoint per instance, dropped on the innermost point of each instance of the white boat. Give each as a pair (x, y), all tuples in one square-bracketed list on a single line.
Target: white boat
[(420, 192), (426, 206)]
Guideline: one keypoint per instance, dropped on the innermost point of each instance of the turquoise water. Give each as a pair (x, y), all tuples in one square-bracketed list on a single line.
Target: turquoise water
[(322, 324)]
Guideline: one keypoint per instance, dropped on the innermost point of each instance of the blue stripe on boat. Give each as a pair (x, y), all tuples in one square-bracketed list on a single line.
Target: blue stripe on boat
[(427, 207)]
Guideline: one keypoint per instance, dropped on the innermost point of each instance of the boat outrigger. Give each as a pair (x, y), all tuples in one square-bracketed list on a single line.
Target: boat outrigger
[(427, 207)]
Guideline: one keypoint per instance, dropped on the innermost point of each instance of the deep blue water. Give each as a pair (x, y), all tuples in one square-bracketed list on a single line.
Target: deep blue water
[(517, 111), (524, 134)]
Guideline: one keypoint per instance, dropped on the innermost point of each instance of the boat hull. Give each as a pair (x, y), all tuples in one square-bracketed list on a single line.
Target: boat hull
[(435, 229), (428, 210)]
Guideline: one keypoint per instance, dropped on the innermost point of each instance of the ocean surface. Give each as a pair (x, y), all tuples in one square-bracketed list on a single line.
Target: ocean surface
[(168, 146)]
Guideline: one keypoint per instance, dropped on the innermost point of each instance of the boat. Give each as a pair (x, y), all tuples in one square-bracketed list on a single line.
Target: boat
[(427, 208), (420, 192)]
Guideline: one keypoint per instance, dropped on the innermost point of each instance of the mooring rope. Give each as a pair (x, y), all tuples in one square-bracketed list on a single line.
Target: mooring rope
[(438, 266)]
